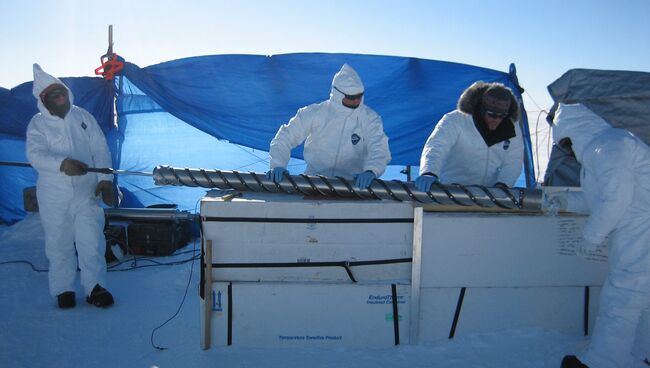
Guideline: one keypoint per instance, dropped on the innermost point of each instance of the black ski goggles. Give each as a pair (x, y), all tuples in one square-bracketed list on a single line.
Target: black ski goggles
[(495, 115), (350, 97), (56, 93)]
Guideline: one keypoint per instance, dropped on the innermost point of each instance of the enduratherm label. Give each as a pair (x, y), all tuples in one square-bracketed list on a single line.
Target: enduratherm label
[(384, 299)]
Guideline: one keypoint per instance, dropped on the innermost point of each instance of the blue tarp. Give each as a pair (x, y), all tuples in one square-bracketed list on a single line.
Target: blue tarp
[(170, 113)]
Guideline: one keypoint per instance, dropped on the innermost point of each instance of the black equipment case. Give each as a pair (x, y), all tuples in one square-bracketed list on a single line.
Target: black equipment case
[(150, 231)]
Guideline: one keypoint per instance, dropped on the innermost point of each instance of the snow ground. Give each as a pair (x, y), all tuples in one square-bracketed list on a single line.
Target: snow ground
[(35, 333)]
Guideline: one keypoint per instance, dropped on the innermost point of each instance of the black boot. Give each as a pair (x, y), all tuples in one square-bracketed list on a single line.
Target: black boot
[(570, 361), (66, 299), (100, 297)]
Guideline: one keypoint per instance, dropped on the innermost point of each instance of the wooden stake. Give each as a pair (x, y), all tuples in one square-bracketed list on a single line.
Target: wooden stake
[(207, 295)]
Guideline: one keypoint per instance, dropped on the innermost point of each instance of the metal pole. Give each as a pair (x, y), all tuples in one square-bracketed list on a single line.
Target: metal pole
[(101, 170), (110, 40), (520, 199)]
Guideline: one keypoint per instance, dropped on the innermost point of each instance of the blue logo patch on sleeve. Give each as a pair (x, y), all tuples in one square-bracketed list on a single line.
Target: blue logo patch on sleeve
[(83, 125), (506, 144), (355, 139)]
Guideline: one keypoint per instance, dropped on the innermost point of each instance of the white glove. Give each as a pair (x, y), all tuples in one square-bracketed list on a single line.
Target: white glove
[(587, 249), (554, 202)]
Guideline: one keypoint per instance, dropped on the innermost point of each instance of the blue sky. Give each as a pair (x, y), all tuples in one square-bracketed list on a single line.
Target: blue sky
[(543, 38)]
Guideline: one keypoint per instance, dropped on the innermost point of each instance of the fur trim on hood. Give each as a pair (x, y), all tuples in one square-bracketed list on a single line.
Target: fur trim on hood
[(470, 100)]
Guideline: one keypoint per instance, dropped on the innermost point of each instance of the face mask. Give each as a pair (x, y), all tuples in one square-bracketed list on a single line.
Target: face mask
[(566, 146), (60, 110), (349, 106)]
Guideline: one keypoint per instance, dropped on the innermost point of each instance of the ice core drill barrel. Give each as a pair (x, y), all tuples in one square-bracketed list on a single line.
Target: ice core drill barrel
[(449, 195)]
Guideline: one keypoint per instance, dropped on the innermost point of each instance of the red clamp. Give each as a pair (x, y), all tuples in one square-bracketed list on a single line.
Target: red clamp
[(110, 66)]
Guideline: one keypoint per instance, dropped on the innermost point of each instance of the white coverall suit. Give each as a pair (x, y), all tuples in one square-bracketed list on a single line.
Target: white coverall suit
[(456, 152), (339, 141), (615, 180), (68, 207)]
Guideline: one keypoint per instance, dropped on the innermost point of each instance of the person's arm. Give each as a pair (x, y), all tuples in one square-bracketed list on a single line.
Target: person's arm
[(42, 159), (609, 164), (576, 202), (438, 146), (289, 136), (99, 147), (513, 160), (377, 145)]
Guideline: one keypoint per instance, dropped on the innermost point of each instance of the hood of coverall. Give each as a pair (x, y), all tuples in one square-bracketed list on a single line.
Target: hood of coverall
[(581, 125), (42, 80), (347, 81)]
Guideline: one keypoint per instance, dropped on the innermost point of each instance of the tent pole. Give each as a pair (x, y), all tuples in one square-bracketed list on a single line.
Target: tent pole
[(110, 40), (529, 168), (407, 171)]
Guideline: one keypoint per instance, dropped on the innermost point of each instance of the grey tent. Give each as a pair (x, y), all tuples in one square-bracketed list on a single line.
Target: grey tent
[(622, 98)]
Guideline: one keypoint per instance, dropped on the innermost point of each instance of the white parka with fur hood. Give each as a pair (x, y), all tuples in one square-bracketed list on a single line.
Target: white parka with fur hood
[(457, 153)]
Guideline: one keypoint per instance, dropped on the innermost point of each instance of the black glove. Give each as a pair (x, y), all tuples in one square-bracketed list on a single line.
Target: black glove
[(105, 188), (72, 167)]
